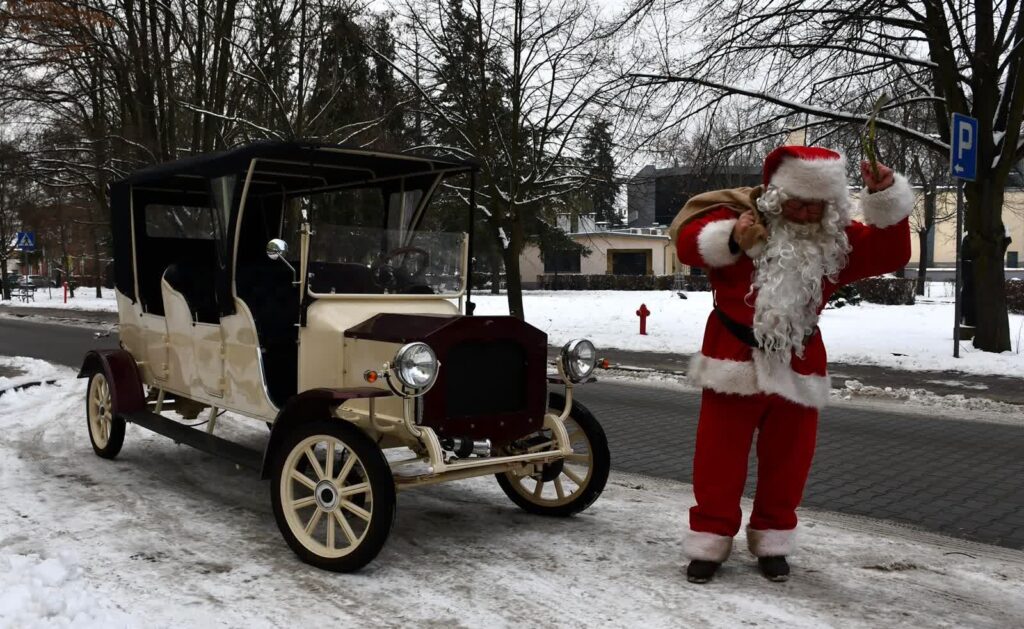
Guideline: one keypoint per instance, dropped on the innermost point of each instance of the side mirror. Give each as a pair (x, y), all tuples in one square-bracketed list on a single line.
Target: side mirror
[(276, 248)]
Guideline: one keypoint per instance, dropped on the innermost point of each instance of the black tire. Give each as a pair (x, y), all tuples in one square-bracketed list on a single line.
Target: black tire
[(593, 484), (370, 467), (106, 430)]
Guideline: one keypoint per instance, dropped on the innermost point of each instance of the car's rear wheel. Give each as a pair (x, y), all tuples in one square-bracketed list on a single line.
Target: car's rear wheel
[(333, 495), (106, 430), (567, 486)]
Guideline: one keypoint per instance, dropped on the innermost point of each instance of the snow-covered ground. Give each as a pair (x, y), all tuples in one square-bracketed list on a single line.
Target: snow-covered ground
[(168, 537), (918, 337), (84, 299)]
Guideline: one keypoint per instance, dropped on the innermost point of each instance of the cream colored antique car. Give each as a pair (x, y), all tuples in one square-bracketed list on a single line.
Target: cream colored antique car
[(311, 287)]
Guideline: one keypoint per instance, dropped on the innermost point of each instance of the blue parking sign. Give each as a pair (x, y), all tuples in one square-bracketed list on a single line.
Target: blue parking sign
[(25, 241), (963, 147)]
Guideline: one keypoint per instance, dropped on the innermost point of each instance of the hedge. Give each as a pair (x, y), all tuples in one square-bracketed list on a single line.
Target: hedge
[(1015, 296), (892, 291), (605, 282)]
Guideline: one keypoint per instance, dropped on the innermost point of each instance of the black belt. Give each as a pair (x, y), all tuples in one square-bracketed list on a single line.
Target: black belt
[(746, 333), (743, 332)]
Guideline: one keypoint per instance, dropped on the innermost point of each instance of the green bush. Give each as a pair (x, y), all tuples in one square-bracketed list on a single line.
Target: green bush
[(891, 291)]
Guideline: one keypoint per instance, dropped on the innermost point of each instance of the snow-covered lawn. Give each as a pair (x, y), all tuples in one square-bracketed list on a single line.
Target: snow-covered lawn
[(918, 337), (168, 537), (84, 299)]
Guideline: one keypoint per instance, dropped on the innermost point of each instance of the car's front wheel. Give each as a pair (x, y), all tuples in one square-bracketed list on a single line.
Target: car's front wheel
[(567, 486), (333, 495)]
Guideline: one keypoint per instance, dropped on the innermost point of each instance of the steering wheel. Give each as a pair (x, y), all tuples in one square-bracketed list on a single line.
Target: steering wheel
[(390, 275), (407, 255)]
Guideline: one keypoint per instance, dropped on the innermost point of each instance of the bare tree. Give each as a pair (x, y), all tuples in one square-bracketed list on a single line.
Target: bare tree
[(511, 84), (801, 58)]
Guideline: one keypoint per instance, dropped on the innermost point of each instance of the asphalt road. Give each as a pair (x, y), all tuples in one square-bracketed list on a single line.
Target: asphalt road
[(956, 477)]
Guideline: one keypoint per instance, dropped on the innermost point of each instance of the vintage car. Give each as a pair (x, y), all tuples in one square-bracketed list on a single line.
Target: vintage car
[(310, 287)]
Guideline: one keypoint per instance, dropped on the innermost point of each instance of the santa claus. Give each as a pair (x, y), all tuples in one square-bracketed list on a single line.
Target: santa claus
[(774, 255)]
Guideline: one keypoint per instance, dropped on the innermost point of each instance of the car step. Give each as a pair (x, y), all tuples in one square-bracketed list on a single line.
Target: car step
[(198, 439)]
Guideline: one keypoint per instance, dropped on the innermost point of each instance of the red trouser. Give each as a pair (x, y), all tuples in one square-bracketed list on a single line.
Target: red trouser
[(785, 447)]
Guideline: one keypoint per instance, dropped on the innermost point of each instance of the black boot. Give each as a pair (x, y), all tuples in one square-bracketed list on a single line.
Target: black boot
[(774, 568), (700, 571)]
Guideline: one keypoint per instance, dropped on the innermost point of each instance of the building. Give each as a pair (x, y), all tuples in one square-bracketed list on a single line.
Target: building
[(621, 251), (942, 241), (655, 195)]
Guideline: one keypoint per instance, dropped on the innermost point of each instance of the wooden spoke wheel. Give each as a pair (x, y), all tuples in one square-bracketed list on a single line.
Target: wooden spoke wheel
[(333, 495), (106, 431), (567, 486)]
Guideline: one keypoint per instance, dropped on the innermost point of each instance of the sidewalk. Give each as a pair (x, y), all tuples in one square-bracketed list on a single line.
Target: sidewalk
[(990, 387)]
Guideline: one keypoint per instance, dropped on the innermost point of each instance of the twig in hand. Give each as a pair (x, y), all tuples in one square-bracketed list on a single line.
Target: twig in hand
[(867, 139)]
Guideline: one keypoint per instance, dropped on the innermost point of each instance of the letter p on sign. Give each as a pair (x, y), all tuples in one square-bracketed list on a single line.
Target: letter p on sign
[(963, 147)]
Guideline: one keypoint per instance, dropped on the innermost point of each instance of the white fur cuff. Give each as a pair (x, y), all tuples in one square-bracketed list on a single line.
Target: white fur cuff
[(706, 546), (713, 243), (890, 206), (770, 542)]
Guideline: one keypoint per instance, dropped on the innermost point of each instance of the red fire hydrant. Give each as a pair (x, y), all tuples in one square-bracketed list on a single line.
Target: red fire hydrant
[(643, 313)]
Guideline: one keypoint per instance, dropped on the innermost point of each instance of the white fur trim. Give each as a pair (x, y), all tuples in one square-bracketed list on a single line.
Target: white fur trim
[(761, 375), (724, 376), (770, 542), (823, 179), (890, 206), (706, 546), (713, 243), (779, 378)]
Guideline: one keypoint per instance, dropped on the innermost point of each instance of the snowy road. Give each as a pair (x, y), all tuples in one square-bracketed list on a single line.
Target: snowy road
[(167, 537), (934, 471)]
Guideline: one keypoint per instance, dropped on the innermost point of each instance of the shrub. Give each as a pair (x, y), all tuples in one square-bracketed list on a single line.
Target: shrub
[(892, 291), (605, 282), (1015, 296), (846, 296)]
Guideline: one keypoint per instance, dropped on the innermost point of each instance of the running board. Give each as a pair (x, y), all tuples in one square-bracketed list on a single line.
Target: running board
[(198, 439)]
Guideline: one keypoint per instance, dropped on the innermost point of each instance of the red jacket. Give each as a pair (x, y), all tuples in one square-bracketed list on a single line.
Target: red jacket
[(879, 244)]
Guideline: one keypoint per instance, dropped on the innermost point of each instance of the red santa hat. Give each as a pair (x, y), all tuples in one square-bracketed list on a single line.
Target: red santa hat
[(807, 172)]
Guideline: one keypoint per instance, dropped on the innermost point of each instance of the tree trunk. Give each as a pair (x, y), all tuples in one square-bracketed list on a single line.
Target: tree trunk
[(513, 283), (988, 242), (6, 291), (922, 264)]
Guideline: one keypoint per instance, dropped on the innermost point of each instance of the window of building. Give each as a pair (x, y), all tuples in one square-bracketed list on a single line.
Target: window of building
[(562, 262), (1012, 260)]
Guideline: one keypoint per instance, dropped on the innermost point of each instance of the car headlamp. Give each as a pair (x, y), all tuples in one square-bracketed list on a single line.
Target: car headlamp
[(579, 357), (415, 366)]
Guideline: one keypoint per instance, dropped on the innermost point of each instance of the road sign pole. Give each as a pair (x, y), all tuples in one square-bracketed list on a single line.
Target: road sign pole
[(959, 265)]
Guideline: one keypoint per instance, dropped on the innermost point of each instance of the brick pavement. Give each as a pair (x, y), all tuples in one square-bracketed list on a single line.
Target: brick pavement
[(954, 477)]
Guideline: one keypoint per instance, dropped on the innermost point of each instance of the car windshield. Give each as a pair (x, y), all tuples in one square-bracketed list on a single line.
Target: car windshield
[(361, 246)]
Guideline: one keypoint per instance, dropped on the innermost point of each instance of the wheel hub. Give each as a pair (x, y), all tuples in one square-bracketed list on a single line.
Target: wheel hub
[(326, 495)]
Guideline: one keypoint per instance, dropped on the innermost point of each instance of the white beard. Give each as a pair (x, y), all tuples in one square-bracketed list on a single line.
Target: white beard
[(789, 274)]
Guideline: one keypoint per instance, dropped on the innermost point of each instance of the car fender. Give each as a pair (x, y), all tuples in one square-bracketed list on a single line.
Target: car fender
[(311, 405), (123, 375)]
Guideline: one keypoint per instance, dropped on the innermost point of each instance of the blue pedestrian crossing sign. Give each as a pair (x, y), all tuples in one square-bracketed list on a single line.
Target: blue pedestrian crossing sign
[(963, 147), (25, 241)]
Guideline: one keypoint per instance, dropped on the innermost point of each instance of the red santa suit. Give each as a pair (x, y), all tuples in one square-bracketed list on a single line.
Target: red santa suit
[(743, 388)]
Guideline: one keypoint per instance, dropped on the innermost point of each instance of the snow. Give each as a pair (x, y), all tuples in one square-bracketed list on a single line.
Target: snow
[(918, 337), (167, 536), (84, 299)]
